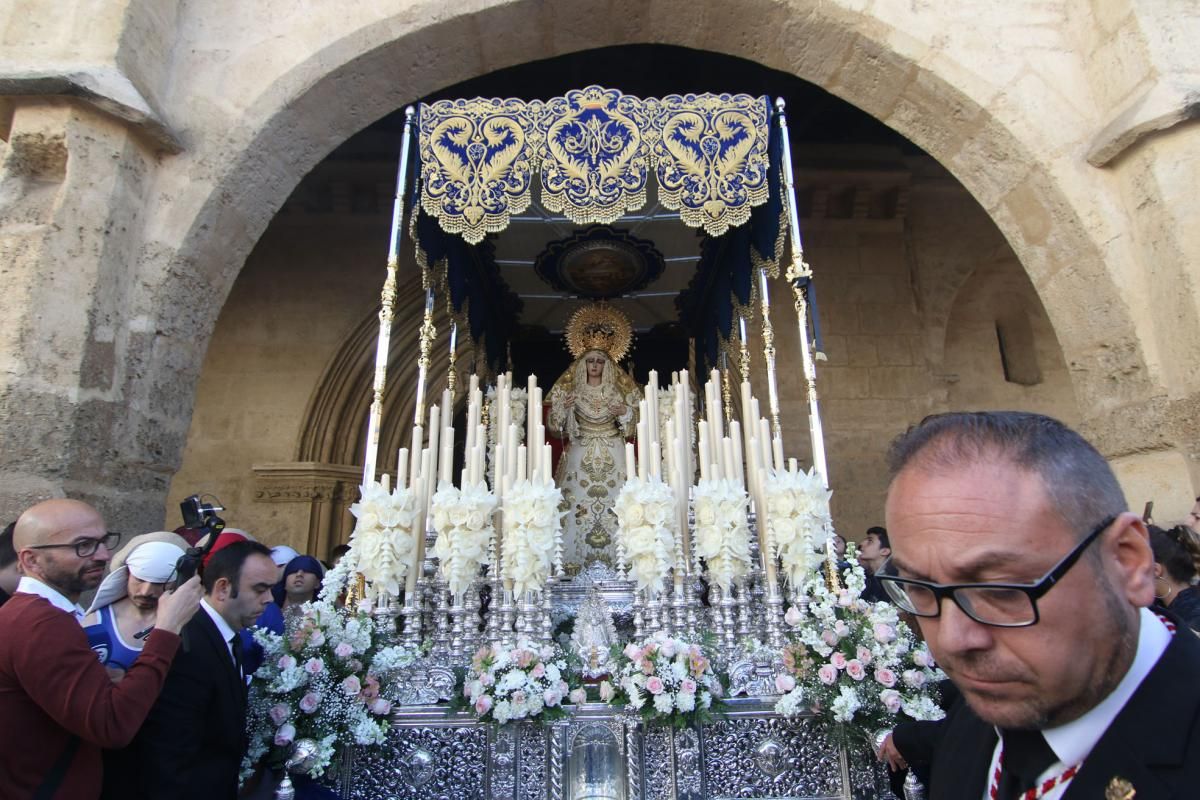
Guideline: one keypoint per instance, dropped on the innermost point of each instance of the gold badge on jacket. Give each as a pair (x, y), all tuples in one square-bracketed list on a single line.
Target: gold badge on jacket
[(1119, 789)]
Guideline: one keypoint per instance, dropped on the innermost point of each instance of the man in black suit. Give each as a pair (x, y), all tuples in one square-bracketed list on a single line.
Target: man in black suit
[(1013, 545), (194, 738)]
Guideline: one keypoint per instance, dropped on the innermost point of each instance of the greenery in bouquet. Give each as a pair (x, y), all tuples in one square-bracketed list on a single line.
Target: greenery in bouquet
[(523, 682), (666, 680), (325, 679), (857, 665)]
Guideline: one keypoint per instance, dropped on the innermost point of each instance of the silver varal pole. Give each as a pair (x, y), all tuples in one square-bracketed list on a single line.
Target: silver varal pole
[(797, 273), (387, 309)]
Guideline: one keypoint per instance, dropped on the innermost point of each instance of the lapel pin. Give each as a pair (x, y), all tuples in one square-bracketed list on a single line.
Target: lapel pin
[(1119, 789)]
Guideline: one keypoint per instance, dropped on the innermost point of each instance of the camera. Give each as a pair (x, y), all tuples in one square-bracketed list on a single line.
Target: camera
[(202, 517)]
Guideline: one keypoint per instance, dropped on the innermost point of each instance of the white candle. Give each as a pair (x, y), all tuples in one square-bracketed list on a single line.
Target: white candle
[(655, 460), (447, 457), (643, 451), (547, 466), (793, 466), (402, 468), (705, 455), (727, 471), (521, 466), (777, 452), (735, 438), (630, 464), (414, 454)]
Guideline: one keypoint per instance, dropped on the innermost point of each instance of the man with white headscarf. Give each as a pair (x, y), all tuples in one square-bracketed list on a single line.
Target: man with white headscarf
[(126, 603)]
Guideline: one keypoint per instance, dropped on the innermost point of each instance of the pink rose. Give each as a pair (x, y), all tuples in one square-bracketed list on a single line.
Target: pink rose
[(687, 686), (524, 658), (314, 666), (891, 700), (487, 679), (884, 633), (483, 704), (518, 697), (381, 707), (317, 639), (913, 678), (538, 670), (793, 617), (864, 654), (579, 696), (286, 662), (841, 628), (855, 670), (845, 599), (829, 637), (654, 685), (886, 677), (280, 712), (784, 683), (309, 703), (343, 650), (552, 697), (631, 651), (370, 689), (827, 674), (668, 648), (606, 691), (285, 735), (647, 666), (922, 658), (838, 660), (352, 685)]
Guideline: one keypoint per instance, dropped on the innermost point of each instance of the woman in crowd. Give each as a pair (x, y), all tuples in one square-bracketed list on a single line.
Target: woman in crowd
[(1174, 572)]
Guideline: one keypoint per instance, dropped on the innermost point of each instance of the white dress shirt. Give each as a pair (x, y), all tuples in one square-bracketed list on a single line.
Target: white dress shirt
[(1072, 741), (227, 633), (29, 585)]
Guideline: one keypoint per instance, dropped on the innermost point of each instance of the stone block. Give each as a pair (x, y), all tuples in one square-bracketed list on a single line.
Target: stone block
[(895, 350), (899, 382), (843, 382), (887, 319), (861, 351)]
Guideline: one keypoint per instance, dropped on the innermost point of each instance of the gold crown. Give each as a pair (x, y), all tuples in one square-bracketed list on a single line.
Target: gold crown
[(599, 326)]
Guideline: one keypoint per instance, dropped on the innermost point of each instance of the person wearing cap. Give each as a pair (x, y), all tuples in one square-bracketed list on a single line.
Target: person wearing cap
[(126, 604), (282, 555)]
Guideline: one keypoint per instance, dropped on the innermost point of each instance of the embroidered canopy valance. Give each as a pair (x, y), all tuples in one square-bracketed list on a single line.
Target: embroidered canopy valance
[(593, 152)]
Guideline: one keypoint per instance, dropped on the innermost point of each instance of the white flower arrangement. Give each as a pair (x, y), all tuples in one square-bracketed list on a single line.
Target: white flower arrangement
[(667, 680), (532, 534), (855, 663), (324, 680), (384, 538), (526, 681), (463, 521), (798, 522), (647, 530), (722, 534)]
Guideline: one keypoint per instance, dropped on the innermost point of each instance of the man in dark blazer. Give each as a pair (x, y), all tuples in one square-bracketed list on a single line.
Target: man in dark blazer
[(1013, 545), (194, 738)]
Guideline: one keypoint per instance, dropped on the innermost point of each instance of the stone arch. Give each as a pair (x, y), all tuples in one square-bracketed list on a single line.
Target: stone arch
[(939, 105)]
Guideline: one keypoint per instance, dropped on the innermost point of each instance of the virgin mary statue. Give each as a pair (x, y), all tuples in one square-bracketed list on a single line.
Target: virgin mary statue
[(593, 409)]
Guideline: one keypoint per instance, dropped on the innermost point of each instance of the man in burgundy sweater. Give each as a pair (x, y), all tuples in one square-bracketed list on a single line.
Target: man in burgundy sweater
[(58, 704)]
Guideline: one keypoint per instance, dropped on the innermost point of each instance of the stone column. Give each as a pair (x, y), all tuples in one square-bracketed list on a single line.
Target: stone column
[(73, 189)]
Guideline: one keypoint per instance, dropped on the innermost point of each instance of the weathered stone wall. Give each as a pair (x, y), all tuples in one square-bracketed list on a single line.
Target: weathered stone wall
[(184, 126)]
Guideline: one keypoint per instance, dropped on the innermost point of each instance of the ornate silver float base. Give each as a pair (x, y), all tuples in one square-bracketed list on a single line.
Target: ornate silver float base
[(595, 754)]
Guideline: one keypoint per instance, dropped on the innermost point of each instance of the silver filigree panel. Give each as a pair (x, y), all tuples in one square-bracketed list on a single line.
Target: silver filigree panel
[(422, 762), (757, 757)]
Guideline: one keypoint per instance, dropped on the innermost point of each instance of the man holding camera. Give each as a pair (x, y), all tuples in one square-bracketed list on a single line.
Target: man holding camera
[(58, 704), (194, 738)]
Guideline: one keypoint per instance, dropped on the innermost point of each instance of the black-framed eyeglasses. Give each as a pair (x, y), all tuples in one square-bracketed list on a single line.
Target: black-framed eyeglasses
[(1003, 605), (86, 548)]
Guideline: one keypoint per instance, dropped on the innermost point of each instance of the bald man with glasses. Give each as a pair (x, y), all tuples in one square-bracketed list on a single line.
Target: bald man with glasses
[(58, 704), (1013, 546)]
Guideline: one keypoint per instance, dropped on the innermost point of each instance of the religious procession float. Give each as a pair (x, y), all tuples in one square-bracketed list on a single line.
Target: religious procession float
[(611, 590)]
